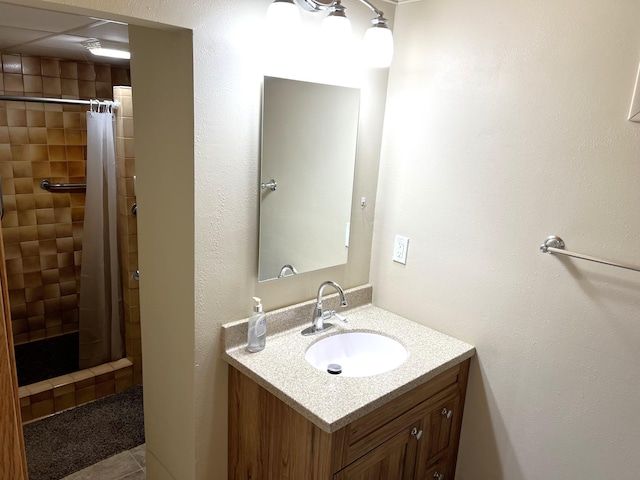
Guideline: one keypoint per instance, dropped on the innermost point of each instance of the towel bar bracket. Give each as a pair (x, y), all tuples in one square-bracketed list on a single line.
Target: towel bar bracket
[(554, 242)]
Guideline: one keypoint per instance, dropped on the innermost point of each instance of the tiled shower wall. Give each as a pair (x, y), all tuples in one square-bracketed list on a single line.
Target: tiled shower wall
[(43, 231), (128, 228)]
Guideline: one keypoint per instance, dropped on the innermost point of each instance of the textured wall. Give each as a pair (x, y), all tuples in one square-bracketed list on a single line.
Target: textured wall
[(505, 123)]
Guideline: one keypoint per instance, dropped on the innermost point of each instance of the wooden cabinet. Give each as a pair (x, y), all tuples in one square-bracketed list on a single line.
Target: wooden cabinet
[(414, 436)]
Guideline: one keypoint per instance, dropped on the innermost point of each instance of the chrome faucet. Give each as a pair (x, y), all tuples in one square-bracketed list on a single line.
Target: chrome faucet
[(318, 324)]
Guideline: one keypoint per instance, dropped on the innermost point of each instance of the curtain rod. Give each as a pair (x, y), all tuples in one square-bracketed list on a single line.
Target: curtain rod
[(67, 101)]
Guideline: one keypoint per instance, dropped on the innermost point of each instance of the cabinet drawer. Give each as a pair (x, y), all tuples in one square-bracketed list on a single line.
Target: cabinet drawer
[(366, 433)]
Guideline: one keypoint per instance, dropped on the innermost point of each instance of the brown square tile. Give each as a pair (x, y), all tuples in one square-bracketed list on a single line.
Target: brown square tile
[(23, 170), (68, 70), (35, 118), (67, 302), (70, 88), (103, 73), (4, 135), (32, 84), (20, 339), (53, 319), (30, 249), (5, 153), (3, 116), (55, 330), (87, 89), (49, 262), (26, 414), (12, 251), (45, 216), (20, 325), (42, 170), (28, 233), (73, 136), (55, 136), (37, 335), (20, 153), (75, 153), (38, 135), (10, 218), (72, 119), (66, 259), (76, 169), (18, 135), (13, 83), (63, 402), (59, 169), (29, 265), (64, 230), (77, 199), (71, 327), (51, 291), (31, 66), (11, 63), (10, 203), (23, 186), (62, 215), (46, 232), (105, 389), (85, 395), (77, 215), (42, 409), (27, 218), (51, 305), (38, 153), (86, 71), (48, 247), (68, 288), (36, 322), (51, 86), (124, 382), (33, 279), (54, 119), (19, 311), (17, 297), (103, 90), (17, 118), (50, 67)]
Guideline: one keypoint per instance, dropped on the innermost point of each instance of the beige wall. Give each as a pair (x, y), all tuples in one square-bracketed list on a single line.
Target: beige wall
[(199, 270), (505, 123)]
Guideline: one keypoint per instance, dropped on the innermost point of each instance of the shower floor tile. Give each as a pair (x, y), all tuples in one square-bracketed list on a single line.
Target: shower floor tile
[(128, 465)]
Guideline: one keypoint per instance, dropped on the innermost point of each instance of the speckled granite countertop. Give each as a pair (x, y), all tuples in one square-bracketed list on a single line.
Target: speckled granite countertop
[(329, 401)]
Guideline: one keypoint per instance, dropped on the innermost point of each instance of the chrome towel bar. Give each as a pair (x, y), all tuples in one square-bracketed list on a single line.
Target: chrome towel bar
[(63, 187), (555, 245)]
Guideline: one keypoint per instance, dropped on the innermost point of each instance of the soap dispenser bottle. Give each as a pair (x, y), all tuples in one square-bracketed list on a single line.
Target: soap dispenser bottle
[(257, 331)]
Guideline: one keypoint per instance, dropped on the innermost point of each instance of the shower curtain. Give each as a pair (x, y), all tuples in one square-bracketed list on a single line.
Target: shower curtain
[(100, 303)]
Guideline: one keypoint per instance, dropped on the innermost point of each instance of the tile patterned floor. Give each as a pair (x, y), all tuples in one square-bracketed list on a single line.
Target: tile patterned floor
[(127, 465)]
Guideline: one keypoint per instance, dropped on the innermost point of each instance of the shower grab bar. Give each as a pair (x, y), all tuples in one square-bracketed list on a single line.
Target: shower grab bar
[(555, 245), (62, 187)]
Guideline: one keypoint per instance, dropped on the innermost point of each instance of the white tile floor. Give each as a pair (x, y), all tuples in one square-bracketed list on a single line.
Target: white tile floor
[(128, 465)]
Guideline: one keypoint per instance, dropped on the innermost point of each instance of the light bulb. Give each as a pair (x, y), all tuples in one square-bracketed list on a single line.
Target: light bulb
[(283, 15), (378, 46)]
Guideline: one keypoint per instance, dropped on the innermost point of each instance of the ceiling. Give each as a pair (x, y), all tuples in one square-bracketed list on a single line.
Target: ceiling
[(31, 31)]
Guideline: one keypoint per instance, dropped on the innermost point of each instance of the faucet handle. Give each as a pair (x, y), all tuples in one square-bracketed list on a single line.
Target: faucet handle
[(332, 313)]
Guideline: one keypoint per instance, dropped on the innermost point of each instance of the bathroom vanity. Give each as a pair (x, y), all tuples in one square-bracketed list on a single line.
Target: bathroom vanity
[(289, 420)]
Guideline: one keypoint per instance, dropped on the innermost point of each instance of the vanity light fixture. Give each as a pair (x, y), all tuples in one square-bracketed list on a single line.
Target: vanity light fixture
[(283, 14), (96, 48), (378, 39)]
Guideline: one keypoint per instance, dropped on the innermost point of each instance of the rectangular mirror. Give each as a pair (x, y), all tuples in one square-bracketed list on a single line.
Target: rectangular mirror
[(309, 134)]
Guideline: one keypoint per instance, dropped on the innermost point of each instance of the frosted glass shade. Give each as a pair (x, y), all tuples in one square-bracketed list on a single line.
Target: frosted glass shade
[(378, 47), (283, 16), (337, 28)]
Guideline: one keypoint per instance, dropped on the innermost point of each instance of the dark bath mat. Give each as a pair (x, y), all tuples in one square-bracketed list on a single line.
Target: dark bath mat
[(72, 440)]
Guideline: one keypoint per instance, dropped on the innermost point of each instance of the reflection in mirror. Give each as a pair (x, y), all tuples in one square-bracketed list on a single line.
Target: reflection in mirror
[(309, 133)]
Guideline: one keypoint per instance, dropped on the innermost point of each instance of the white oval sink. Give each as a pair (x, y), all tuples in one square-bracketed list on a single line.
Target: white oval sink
[(359, 354)]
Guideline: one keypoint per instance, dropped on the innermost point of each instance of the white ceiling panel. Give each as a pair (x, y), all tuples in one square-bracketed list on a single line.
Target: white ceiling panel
[(113, 32), (35, 19), (15, 36)]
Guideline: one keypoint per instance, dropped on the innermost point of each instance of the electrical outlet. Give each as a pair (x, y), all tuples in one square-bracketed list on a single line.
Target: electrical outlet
[(400, 247)]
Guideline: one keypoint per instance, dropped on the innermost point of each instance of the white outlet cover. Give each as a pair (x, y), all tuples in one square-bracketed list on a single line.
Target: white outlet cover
[(400, 247)]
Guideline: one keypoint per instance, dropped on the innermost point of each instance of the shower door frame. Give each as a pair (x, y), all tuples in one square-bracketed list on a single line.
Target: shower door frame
[(13, 460)]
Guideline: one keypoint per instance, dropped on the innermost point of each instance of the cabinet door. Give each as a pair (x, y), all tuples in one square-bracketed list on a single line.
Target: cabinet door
[(440, 420), (394, 459)]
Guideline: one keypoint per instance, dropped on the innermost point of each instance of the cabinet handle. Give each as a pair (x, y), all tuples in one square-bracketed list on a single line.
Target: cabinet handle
[(447, 413), (416, 433), (438, 476)]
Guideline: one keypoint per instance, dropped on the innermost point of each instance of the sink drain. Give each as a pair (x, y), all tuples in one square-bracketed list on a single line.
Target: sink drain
[(334, 369)]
